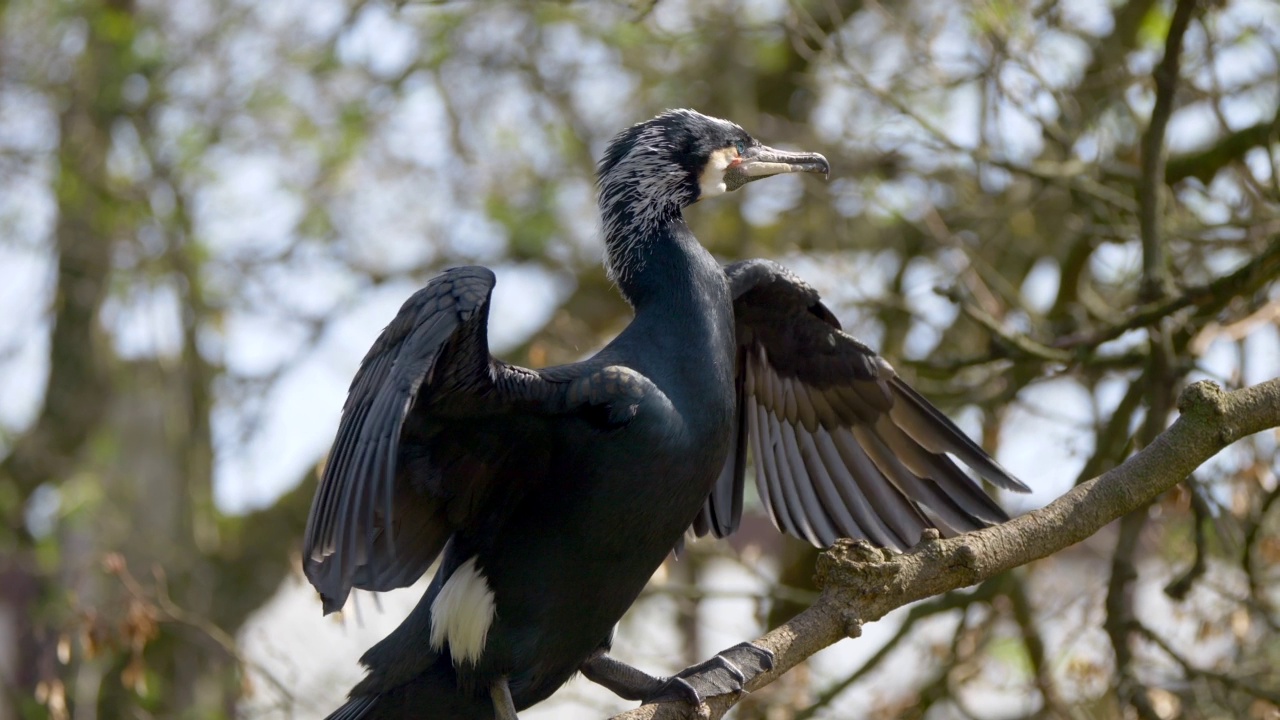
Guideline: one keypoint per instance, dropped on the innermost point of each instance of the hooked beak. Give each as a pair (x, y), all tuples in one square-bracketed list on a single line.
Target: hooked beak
[(761, 162)]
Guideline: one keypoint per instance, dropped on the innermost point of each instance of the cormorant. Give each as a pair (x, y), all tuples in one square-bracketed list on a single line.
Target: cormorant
[(551, 496)]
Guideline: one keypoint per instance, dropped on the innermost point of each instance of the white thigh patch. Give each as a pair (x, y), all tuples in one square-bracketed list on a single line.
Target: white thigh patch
[(462, 614)]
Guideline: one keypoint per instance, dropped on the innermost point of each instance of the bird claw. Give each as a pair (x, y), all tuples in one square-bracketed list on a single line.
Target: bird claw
[(724, 674), (675, 688)]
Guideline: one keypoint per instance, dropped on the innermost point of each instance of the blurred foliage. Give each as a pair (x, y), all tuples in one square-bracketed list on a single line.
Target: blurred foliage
[(212, 193)]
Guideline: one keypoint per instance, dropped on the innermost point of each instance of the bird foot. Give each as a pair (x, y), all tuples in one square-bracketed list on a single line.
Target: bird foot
[(725, 674)]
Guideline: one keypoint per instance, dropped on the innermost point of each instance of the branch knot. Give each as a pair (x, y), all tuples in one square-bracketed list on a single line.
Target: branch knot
[(856, 565), (1204, 397)]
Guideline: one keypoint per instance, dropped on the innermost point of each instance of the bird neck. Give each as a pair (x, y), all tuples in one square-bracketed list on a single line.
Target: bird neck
[(682, 336), (656, 260)]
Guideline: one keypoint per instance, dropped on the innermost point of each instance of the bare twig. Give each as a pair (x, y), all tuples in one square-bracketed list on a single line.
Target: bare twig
[(1160, 375), (169, 611), (1206, 297), (1203, 164), (1120, 620), (1191, 671), (1201, 516), (1249, 560), (1032, 640), (953, 600)]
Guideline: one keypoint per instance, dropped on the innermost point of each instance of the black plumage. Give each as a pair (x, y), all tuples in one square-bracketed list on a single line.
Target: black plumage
[(550, 496)]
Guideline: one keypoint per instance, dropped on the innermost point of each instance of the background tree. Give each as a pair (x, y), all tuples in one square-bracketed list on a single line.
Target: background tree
[(1050, 217)]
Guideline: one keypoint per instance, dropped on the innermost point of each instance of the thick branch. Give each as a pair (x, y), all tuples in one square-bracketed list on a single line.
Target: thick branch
[(862, 584)]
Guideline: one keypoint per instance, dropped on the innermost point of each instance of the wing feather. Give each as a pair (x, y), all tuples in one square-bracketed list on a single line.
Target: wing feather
[(935, 431), (391, 492), (887, 501), (820, 528), (922, 491), (855, 501), (772, 486), (792, 505), (842, 445), (828, 494), (808, 414)]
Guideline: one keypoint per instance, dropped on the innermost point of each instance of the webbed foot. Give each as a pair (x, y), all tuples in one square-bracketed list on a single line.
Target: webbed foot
[(724, 674)]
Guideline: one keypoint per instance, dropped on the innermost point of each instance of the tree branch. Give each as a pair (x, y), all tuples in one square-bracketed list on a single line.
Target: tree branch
[(862, 584), (1191, 671), (1105, 76), (941, 604), (1202, 516), (1204, 164), (1154, 271), (1208, 298)]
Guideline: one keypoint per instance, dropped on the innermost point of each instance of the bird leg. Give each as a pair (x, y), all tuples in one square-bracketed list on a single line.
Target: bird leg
[(625, 681), (503, 707), (724, 674)]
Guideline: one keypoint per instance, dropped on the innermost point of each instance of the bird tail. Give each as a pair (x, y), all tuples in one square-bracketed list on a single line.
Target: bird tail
[(433, 695), (357, 708)]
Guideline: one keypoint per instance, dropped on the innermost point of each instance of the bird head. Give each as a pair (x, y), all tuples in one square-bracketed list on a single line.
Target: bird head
[(653, 170), (683, 156)]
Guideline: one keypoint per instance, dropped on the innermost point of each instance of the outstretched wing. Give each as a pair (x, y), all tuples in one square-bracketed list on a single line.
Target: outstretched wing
[(418, 449), (842, 446)]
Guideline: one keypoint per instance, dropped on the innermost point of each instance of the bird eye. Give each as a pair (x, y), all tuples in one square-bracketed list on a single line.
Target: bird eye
[(742, 147)]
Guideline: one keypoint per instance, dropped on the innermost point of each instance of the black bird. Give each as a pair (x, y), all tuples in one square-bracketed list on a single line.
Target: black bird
[(551, 496)]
